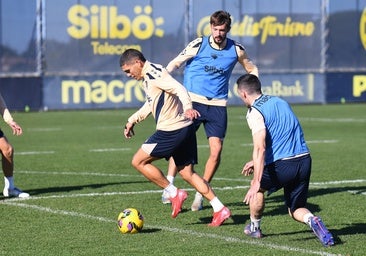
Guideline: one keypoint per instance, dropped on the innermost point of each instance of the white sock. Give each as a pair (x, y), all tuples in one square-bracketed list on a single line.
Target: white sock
[(198, 194), (9, 182), (255, 224), (170, 178), (171, 190), (307, 217), (216, 204)]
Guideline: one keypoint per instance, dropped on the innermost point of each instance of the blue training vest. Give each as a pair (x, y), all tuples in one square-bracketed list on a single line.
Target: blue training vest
[(284, 137), (208, 72)]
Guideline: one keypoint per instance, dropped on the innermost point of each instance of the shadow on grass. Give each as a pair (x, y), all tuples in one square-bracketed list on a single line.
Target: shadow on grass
[(275, 206), (150, 230)]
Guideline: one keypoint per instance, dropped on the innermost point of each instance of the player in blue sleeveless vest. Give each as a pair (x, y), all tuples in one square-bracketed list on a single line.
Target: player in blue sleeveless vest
[(281, 159), (208, 73), (209, 64), (278, 145)]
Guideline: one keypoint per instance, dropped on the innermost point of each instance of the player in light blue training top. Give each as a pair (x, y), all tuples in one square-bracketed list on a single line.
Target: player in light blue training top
[(209, 64), (286, 136), (280, 159)]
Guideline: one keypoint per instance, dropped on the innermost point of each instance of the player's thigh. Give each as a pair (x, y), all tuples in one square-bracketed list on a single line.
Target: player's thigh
[(269, 180), (296, 190), (216, 122), (4, 143), (186, 153), (163, 143), (142, 158)]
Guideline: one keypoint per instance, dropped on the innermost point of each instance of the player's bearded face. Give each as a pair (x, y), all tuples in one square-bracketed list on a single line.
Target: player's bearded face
[(219, 33)]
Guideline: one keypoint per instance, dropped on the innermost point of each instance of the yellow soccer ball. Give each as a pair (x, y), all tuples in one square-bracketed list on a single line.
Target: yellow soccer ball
[(130, 221)]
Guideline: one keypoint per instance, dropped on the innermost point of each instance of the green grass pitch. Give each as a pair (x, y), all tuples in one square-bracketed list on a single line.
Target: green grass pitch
[(76, 166)]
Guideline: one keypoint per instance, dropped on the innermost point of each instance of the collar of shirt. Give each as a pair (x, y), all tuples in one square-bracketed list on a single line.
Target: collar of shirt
[(251, 104)]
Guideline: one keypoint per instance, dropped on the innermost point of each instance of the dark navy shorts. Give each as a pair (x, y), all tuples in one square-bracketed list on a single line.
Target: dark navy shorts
[(293, 175), (180, 144), (213, 118), (1, 134)]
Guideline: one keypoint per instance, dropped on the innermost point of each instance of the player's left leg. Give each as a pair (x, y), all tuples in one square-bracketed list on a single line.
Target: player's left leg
[(7, 157), (256, 208), (296, 198), (142, 162), (215, 127), (221, 212), (214, 158), (7, 154)]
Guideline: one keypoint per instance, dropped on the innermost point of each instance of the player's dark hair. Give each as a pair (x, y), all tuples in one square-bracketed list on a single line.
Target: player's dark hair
[(220, 18), (250, 83), (130, 55)]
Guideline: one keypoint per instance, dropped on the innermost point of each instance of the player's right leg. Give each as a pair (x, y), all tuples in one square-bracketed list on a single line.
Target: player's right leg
[(172, 172)]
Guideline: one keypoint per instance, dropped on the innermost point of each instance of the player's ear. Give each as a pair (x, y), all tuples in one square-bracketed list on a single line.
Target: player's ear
[(141, 64), (241, 93)]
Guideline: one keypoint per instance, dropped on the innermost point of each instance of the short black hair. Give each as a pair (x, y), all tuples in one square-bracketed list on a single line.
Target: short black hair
[(129, 55), (249, 83)]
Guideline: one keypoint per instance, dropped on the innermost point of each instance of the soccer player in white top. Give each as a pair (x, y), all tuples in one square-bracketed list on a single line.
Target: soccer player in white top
[(7, 154), (170, 105), (209, 64)]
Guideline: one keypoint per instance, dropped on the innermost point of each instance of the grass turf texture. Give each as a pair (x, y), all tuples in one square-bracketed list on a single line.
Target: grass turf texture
[(76, 166)]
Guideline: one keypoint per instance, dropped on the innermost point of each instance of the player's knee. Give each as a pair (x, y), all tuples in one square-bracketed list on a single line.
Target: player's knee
[(135, 162), (8, 151)]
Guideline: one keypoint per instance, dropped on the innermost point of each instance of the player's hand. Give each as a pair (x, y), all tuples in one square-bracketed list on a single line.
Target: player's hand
[(17, 130), (191, 114), (252, 192), (248, 168), (128, 131)]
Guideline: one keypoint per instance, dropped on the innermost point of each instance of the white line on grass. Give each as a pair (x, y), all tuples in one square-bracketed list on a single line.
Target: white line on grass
[(315, 184), (82, 174), (114, 193), (333, 120), (35, 153), (173, 230), (109, 149), (44, 129), (357, 192), (336, 182)]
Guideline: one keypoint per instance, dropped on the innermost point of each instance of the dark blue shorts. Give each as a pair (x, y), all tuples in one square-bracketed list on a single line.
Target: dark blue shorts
[(293, 175), (180, 144), (1, 134), (213, 118)]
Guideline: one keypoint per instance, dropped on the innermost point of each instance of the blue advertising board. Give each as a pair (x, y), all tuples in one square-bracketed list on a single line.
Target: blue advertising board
[(22, 93), (346, 87), (80, 92)]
